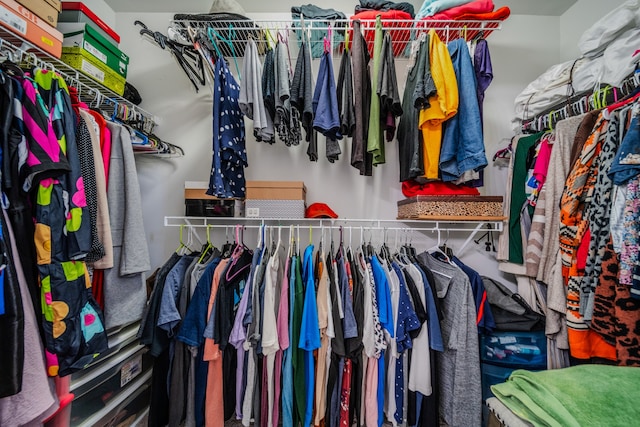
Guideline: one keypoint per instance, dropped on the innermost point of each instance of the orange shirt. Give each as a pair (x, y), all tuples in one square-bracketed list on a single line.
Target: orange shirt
[(214, 402)]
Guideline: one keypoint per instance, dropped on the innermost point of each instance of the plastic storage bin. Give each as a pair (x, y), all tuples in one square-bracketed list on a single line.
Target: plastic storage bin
[(526, 350)]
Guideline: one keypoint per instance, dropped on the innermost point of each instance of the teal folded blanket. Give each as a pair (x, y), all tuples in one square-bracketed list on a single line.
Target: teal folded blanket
[(580, 396)]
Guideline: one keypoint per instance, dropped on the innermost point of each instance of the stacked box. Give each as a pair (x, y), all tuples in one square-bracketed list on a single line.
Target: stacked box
[(86, 63), (47, 10), (81, 35), (77, 12), (275, 199), (198, 203), (23, 22)]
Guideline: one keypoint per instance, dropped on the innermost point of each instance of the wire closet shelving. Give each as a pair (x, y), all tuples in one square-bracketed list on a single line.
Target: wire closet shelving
[(398, 226), (23, 52), (266, 32)]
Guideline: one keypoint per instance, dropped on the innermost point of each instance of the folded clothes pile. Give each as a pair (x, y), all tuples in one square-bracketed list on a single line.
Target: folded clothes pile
[(462, 10)]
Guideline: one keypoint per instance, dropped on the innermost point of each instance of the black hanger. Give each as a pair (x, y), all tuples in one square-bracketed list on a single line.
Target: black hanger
[(11, 68)]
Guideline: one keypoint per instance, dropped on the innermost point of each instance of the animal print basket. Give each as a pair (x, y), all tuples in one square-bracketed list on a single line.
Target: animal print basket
[(451, 208)]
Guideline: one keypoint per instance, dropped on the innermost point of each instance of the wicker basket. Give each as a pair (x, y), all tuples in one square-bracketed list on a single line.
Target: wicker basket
[(451, 208)]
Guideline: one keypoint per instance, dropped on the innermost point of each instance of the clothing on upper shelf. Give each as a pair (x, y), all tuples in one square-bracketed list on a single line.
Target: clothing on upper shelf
[(277, 309), (470, 7), (431, 7)]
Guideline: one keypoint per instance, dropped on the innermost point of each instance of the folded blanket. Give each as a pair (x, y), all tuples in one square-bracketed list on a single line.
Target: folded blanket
[(498, 15), (580, 396), (431, 7), (476, 6)]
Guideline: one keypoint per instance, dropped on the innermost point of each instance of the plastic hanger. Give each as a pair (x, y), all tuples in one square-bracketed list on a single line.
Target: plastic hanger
[(436, 249), (207, 248)]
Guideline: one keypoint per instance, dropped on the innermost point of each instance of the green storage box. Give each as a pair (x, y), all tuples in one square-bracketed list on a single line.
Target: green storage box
[(86, 63), (86, 37)]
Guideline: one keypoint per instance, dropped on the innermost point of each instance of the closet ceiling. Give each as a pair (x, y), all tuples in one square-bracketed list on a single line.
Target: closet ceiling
[(518, 7)]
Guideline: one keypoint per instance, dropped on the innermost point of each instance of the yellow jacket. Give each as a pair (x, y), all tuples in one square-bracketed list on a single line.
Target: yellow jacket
[(444, 104)]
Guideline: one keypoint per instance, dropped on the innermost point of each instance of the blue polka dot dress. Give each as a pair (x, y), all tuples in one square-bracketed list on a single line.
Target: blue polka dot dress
[(229, 150)]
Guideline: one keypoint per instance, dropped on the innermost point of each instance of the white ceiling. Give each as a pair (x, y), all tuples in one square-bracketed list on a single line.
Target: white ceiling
[(518, 7)]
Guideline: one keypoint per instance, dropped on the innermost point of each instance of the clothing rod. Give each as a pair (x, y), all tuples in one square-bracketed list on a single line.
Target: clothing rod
[(347, 224), (581, 103)]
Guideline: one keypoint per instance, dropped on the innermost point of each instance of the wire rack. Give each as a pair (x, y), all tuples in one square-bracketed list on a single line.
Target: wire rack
[(237, 33), (23, 52)]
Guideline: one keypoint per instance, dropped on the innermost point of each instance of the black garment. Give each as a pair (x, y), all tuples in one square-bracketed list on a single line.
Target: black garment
[(11, 323), (418, 306), (20, 217), (229, 364), (159, 405), (344, 91), (88, 171), (387, 90), (385, 5), (311, 11), (416, 97), (180, 365), (229, 286), (360, 158), (302, 97), (150, 335), (353, 346), (158, 342), (269, 84), (337, 343)]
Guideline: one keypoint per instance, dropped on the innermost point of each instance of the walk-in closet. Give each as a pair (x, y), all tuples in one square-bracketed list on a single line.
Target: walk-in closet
[(337, 214)]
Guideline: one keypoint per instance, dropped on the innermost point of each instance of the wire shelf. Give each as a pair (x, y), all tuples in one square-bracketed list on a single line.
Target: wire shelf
[(266, 32), (88, 89)]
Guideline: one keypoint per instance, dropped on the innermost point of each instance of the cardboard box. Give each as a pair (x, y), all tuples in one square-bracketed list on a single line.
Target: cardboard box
[(77, 12), (47, 10), (21, 21), (86, 63), (83, 35), (284, 209), (276, 190)]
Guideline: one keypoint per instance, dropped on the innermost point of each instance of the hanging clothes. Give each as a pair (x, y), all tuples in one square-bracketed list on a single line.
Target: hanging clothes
[(361, 159), (36, 401), (251, 100), (229, 151), (459, 366), (418, 89), (387, 89), (287, 120), (375, 143), (345, 95), (462, 147), (440, 109), (74, 324), (325, 108), (302, 98)]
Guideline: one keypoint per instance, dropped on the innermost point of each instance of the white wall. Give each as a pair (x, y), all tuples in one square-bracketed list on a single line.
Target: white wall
[(579, 18), (520, 52)]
